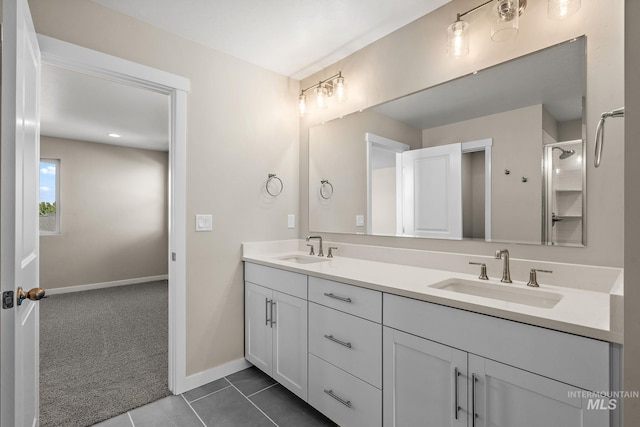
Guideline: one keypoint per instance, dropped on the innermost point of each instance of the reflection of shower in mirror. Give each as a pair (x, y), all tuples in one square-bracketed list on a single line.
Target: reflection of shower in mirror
[(565, 153)]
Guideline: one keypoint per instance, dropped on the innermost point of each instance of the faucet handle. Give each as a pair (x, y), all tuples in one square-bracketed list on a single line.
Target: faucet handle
[(330, 254), (533, 278), (483, 270), (311, 251)]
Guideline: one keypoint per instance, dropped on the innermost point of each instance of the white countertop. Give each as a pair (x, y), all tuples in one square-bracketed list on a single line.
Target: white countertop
[(581, 312)]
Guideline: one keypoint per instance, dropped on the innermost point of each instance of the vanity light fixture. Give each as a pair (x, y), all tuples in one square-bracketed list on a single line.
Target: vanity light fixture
[(504, 25), (114, 135), (324, 89)]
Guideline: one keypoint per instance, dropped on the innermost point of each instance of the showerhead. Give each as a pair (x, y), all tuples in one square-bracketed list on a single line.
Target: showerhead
[(565, 153)]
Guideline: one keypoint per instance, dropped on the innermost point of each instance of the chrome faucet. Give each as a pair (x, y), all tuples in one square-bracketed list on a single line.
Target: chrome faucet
[(319, 238), (506, 273)]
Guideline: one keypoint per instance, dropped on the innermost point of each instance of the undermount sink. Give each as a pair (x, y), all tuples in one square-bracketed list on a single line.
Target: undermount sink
[(508, 293), (302, 259)]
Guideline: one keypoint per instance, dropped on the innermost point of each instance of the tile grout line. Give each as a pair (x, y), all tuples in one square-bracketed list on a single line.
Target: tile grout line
[(131, 419), (256, 406), (194, 411), (260, 391), (207, 395)]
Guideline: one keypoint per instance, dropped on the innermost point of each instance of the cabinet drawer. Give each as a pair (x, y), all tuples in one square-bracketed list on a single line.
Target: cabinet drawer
[(342, 397), (280, 280), (575, 360), (350, 299), (349, 342)]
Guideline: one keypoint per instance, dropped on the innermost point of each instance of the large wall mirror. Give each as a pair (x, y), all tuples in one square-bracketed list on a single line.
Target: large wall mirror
[(497, 155)]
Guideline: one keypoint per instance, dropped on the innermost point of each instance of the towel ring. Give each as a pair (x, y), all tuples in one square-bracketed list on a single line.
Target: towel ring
[(273, 177), (326, 189)]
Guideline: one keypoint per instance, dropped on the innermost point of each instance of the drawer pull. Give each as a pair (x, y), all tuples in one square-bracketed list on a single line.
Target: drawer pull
[(474, 414), (346, 403), (456, 406), (337, 341), (337, 297)]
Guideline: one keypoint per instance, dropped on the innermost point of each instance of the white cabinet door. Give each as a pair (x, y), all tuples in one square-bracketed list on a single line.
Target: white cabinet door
[(420, 385), (503, 396), (290, 343), (432, 192), (257, 327)]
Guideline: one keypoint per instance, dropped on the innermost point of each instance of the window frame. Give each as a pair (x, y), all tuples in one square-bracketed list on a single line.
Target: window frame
[(57, 200)]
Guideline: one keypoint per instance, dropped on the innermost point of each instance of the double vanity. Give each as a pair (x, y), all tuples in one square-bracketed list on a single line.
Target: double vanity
[(396, 337)]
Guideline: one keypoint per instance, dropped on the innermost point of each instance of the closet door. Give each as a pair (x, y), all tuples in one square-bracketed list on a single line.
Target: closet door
[(432, 192)]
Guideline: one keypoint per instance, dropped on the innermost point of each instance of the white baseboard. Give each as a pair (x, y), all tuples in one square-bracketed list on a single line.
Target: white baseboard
[(205, 377), (102, 285)]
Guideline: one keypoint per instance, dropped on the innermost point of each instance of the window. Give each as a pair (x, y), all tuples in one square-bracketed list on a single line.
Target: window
[(49, 196)]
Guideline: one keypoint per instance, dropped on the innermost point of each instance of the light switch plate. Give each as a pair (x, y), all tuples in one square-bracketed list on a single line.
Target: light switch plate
[(204, 222), (291, 221), (359, 220)]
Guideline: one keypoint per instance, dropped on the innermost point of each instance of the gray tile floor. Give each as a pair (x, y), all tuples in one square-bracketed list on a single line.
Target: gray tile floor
[(248, 398)]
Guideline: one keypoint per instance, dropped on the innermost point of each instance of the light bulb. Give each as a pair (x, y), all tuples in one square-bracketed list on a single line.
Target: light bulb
[(339, 89), (302, 104), (321, 97), (560, 9), (458, 39)]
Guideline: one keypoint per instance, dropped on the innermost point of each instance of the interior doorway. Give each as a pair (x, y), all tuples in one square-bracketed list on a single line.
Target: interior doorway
[(61, 54)]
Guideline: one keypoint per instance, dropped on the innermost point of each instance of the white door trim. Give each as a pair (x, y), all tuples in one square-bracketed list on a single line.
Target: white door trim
[(483, 145), (373, 140), (77, 58)]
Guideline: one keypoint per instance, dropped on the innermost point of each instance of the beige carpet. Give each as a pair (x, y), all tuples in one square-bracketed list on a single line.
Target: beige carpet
[(102, 353)]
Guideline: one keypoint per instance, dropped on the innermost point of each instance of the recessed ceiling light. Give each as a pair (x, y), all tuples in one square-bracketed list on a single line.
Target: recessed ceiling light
[(114, 135)]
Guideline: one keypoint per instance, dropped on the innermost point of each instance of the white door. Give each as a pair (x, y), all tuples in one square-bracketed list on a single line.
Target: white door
[(432, 192), (19, 231), (290, 343), (503, 396), (425, 383), (257, 327)]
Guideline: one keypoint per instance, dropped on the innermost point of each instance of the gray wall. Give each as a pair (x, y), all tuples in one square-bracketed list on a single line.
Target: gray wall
[(516, 206), (632, 212), (241, 125), (113, 210)]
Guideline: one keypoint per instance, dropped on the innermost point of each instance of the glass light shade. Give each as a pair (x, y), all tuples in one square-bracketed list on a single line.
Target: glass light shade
[(339, 89), (560, 9), (458, 39), (504, 19), (321, 97), (302, 104)]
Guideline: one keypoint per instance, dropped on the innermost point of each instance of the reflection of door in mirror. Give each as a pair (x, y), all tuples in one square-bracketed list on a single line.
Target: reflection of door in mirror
[(564, 204), (383, 185)]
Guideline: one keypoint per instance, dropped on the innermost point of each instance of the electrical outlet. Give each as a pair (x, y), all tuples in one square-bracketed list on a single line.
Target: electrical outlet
[(359, 220), (291, 221)]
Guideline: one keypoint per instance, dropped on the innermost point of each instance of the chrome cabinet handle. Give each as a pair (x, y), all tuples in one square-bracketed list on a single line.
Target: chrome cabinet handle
[(330, 295), (335, 340), (266, 310), (474, 415), (456, 407), (346, 403), (271, 320)]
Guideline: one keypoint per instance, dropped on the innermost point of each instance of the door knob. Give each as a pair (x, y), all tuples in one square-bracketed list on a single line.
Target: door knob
[(34, 294)]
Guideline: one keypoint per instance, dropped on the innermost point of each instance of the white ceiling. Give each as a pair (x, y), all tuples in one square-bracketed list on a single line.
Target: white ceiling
[(86, 108), (295, 38)]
